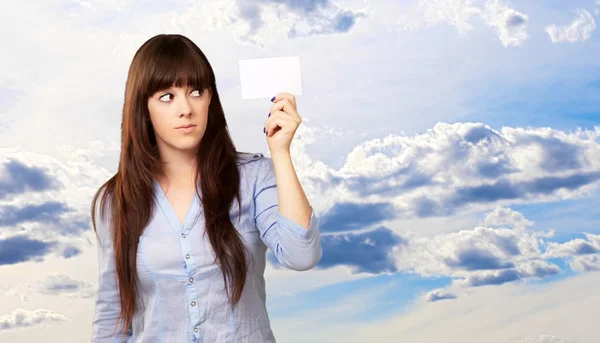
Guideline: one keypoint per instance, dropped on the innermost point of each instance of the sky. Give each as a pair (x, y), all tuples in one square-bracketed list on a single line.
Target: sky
[(450, 148)]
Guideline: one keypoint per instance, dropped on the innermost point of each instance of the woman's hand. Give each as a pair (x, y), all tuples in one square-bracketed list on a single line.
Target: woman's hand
[(282, 122)]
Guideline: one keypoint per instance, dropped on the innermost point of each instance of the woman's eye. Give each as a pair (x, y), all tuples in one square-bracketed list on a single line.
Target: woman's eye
[(169, 94), (163, 97)]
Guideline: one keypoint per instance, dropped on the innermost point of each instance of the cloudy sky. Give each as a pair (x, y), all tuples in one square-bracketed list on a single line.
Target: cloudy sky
[(450, 147)]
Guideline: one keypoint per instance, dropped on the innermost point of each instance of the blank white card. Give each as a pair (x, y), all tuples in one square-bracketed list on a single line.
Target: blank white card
[(265, 77)]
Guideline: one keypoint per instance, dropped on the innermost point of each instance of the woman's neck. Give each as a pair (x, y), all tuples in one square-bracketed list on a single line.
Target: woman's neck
[(180, 172)]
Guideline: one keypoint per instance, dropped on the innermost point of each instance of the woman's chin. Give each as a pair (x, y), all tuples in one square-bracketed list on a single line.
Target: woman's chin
[(188, 145)]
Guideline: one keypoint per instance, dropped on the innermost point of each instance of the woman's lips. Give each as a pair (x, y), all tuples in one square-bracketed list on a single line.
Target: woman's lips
[(187, 129)]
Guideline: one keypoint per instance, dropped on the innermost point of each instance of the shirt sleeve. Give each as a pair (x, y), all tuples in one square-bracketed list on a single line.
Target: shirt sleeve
[(107, 302), (294, 246)]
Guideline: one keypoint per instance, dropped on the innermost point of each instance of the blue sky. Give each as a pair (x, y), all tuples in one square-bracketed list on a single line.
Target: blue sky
[(451, 149)]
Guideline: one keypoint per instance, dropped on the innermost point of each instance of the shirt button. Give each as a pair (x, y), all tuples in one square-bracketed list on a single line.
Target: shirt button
[(191, 280), (183, 235), (195, 329), (187, 256), (193, 303)]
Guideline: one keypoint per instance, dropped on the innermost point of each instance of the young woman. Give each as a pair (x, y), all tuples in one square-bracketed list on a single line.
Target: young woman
[(184, 225)]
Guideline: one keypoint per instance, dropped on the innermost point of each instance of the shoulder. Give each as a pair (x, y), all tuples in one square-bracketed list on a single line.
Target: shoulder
[(248, 157), (255, 166)]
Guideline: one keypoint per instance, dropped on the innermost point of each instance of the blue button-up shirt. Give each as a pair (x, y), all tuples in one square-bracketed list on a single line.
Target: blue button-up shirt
[(182, 296)]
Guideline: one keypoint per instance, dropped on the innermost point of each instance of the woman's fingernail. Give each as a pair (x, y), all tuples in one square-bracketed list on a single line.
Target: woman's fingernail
[(269, 115), (264, 130), (273, 98)]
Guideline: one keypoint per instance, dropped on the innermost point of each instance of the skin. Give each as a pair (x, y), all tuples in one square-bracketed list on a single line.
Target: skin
[(169, 109)]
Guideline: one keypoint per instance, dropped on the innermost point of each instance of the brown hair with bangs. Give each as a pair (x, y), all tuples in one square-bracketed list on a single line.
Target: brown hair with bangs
[(161, 62)]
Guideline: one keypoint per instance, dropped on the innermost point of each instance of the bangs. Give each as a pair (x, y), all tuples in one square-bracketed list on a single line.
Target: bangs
[(176, 64)]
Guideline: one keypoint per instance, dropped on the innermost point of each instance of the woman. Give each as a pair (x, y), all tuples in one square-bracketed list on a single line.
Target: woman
[(179, 260)]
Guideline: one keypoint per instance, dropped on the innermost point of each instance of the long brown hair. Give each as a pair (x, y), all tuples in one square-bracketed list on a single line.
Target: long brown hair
[(163, 61)]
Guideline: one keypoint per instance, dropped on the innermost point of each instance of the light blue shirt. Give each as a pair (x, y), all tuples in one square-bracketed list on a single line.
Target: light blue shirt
[(182, 296)]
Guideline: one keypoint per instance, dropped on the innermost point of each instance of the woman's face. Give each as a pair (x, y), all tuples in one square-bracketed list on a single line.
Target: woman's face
[(175, 107)]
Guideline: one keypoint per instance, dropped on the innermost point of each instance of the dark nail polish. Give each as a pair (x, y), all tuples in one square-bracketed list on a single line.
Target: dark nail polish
[(264, 130), (273, 98), (269, 115)]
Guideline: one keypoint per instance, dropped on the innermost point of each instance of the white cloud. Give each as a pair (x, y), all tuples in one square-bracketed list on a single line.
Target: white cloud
[(299, 18), (453, 167), (585, 263), (506, 217), (579, 30), (450, 164), (471, 257), (582, 255), (78, 174), (54, 217), (469, 252), (439, 294), (62, 285), (510, 24), (457, 13), (20, 318), (577, 246)]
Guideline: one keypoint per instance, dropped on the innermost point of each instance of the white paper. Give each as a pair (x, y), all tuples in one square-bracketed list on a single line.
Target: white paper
[(265, 77)]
